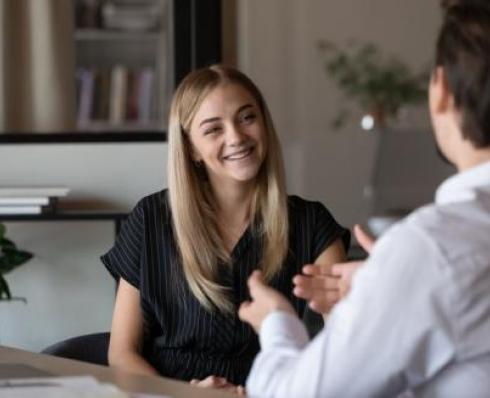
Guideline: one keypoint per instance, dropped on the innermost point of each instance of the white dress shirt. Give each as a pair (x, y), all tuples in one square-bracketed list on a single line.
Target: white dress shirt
[(417, 320)]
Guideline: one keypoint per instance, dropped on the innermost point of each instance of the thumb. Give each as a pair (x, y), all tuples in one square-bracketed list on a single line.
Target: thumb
[(255, 283), (365, 240), (244, 310)]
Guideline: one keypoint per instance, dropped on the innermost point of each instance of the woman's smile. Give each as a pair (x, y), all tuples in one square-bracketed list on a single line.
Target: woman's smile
[(241, 154)]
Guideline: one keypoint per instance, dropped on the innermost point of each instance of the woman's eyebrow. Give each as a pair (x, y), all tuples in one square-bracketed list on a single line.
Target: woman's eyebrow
[(216, 119), (210, 120), (243, 107)]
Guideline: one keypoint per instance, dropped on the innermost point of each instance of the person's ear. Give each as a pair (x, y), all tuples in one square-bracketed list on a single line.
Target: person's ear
[(442, 98)]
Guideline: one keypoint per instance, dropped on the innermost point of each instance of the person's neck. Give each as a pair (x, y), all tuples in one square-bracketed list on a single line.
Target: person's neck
[(233, 203), (472, 157)]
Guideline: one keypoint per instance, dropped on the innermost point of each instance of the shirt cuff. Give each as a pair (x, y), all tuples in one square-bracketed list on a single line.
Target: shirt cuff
[(283, 329)]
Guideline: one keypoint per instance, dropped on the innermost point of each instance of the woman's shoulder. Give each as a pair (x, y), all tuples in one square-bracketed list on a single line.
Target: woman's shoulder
[(310, 211), (297, 204), (155, 197), (154, 203), (314, 216)]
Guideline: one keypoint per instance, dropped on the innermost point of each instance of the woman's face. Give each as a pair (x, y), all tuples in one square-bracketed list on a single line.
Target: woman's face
[(228, 135)]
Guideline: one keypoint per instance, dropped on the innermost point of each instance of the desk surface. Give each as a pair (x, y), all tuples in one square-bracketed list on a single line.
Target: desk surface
[(124, 380)]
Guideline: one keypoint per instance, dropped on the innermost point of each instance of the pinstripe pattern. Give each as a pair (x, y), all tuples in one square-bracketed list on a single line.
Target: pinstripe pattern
[(182, 339)]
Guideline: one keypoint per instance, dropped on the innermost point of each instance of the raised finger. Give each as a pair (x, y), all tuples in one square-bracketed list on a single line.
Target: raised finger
[(255, 284), (340, 269), (318, 282), (317, 294), (316, 269), (244, 310), (363, 238)]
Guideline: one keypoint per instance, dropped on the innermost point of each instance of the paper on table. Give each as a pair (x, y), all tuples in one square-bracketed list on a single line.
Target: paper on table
[(59, 387), (149, 396)]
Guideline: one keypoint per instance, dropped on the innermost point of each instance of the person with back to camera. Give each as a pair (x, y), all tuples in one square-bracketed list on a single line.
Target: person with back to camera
[(184, 254), (417, 318)]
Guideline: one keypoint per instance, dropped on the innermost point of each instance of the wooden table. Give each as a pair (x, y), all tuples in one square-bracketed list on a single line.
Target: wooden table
[(124, 380)]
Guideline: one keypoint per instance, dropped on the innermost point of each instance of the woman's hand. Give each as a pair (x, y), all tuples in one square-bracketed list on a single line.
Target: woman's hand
[(264, 301), (219, 383)]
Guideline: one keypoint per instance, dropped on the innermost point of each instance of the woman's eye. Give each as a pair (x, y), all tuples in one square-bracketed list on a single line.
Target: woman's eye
[(212, 130), (248, 118)]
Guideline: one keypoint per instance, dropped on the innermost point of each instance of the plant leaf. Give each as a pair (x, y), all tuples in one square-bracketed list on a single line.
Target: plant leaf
[(13, 258), (6, 243), (4, 289)]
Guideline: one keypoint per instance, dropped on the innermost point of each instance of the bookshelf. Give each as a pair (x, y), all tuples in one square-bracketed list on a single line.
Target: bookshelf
[(185, 39), (121, 65)]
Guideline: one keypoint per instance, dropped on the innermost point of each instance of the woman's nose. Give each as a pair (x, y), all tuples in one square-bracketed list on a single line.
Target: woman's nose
[(234, 135)]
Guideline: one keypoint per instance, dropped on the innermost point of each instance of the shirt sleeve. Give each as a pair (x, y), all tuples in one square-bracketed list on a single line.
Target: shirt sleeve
[(391, 333), (123, 260), (327, 230)]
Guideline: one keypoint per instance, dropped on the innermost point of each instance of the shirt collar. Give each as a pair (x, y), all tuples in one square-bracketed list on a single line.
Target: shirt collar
[(465, 185)]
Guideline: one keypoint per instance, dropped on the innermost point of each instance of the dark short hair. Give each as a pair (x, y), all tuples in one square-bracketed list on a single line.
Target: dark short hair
[(463, 50)]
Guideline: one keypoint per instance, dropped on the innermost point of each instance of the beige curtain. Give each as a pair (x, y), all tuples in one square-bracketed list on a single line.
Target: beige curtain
[(37, 66)]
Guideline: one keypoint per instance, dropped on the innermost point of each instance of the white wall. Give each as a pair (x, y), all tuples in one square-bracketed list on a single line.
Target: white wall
[(69, 292), (277, 40)]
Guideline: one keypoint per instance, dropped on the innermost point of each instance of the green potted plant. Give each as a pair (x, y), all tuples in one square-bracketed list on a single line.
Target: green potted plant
[(10, 258), (380, 86)]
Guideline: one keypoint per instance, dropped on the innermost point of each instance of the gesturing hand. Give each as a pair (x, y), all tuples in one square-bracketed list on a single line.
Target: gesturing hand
[(324, 285), (318, 286), (264, 301), (345, 271)]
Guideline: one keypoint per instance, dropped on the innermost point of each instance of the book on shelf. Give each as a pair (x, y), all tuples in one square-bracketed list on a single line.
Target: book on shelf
[(103, 100), (26, 200), (132, 95), (115, 95), (21, 210), (118, 94), (34, 191), (146, 77), (85, 82)]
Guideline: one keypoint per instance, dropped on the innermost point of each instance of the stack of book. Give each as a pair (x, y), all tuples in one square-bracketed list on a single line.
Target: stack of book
[(135, 15), (30, 200), (115, 95)]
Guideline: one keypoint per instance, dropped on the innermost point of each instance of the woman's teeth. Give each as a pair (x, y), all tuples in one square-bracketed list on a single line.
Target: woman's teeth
[(239, 155)]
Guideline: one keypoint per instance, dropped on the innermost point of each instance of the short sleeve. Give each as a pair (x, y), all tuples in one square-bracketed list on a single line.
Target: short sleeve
[(124, 259), (327, 230)]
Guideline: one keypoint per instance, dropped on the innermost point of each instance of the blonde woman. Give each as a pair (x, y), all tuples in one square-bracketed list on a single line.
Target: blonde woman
[(184, 255)]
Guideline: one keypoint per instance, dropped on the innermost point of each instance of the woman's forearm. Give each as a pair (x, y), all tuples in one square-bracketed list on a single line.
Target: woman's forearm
[(132, 362)]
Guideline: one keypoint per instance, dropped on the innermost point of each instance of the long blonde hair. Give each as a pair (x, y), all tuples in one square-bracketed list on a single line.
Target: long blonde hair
[(199, 243)]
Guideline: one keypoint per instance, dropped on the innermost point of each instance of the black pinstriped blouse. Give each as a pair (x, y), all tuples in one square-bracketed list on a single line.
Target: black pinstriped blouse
[(182, 339)]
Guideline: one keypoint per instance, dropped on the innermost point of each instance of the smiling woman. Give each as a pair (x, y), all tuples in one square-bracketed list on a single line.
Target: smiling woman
[(228, 135), (184, 254)]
